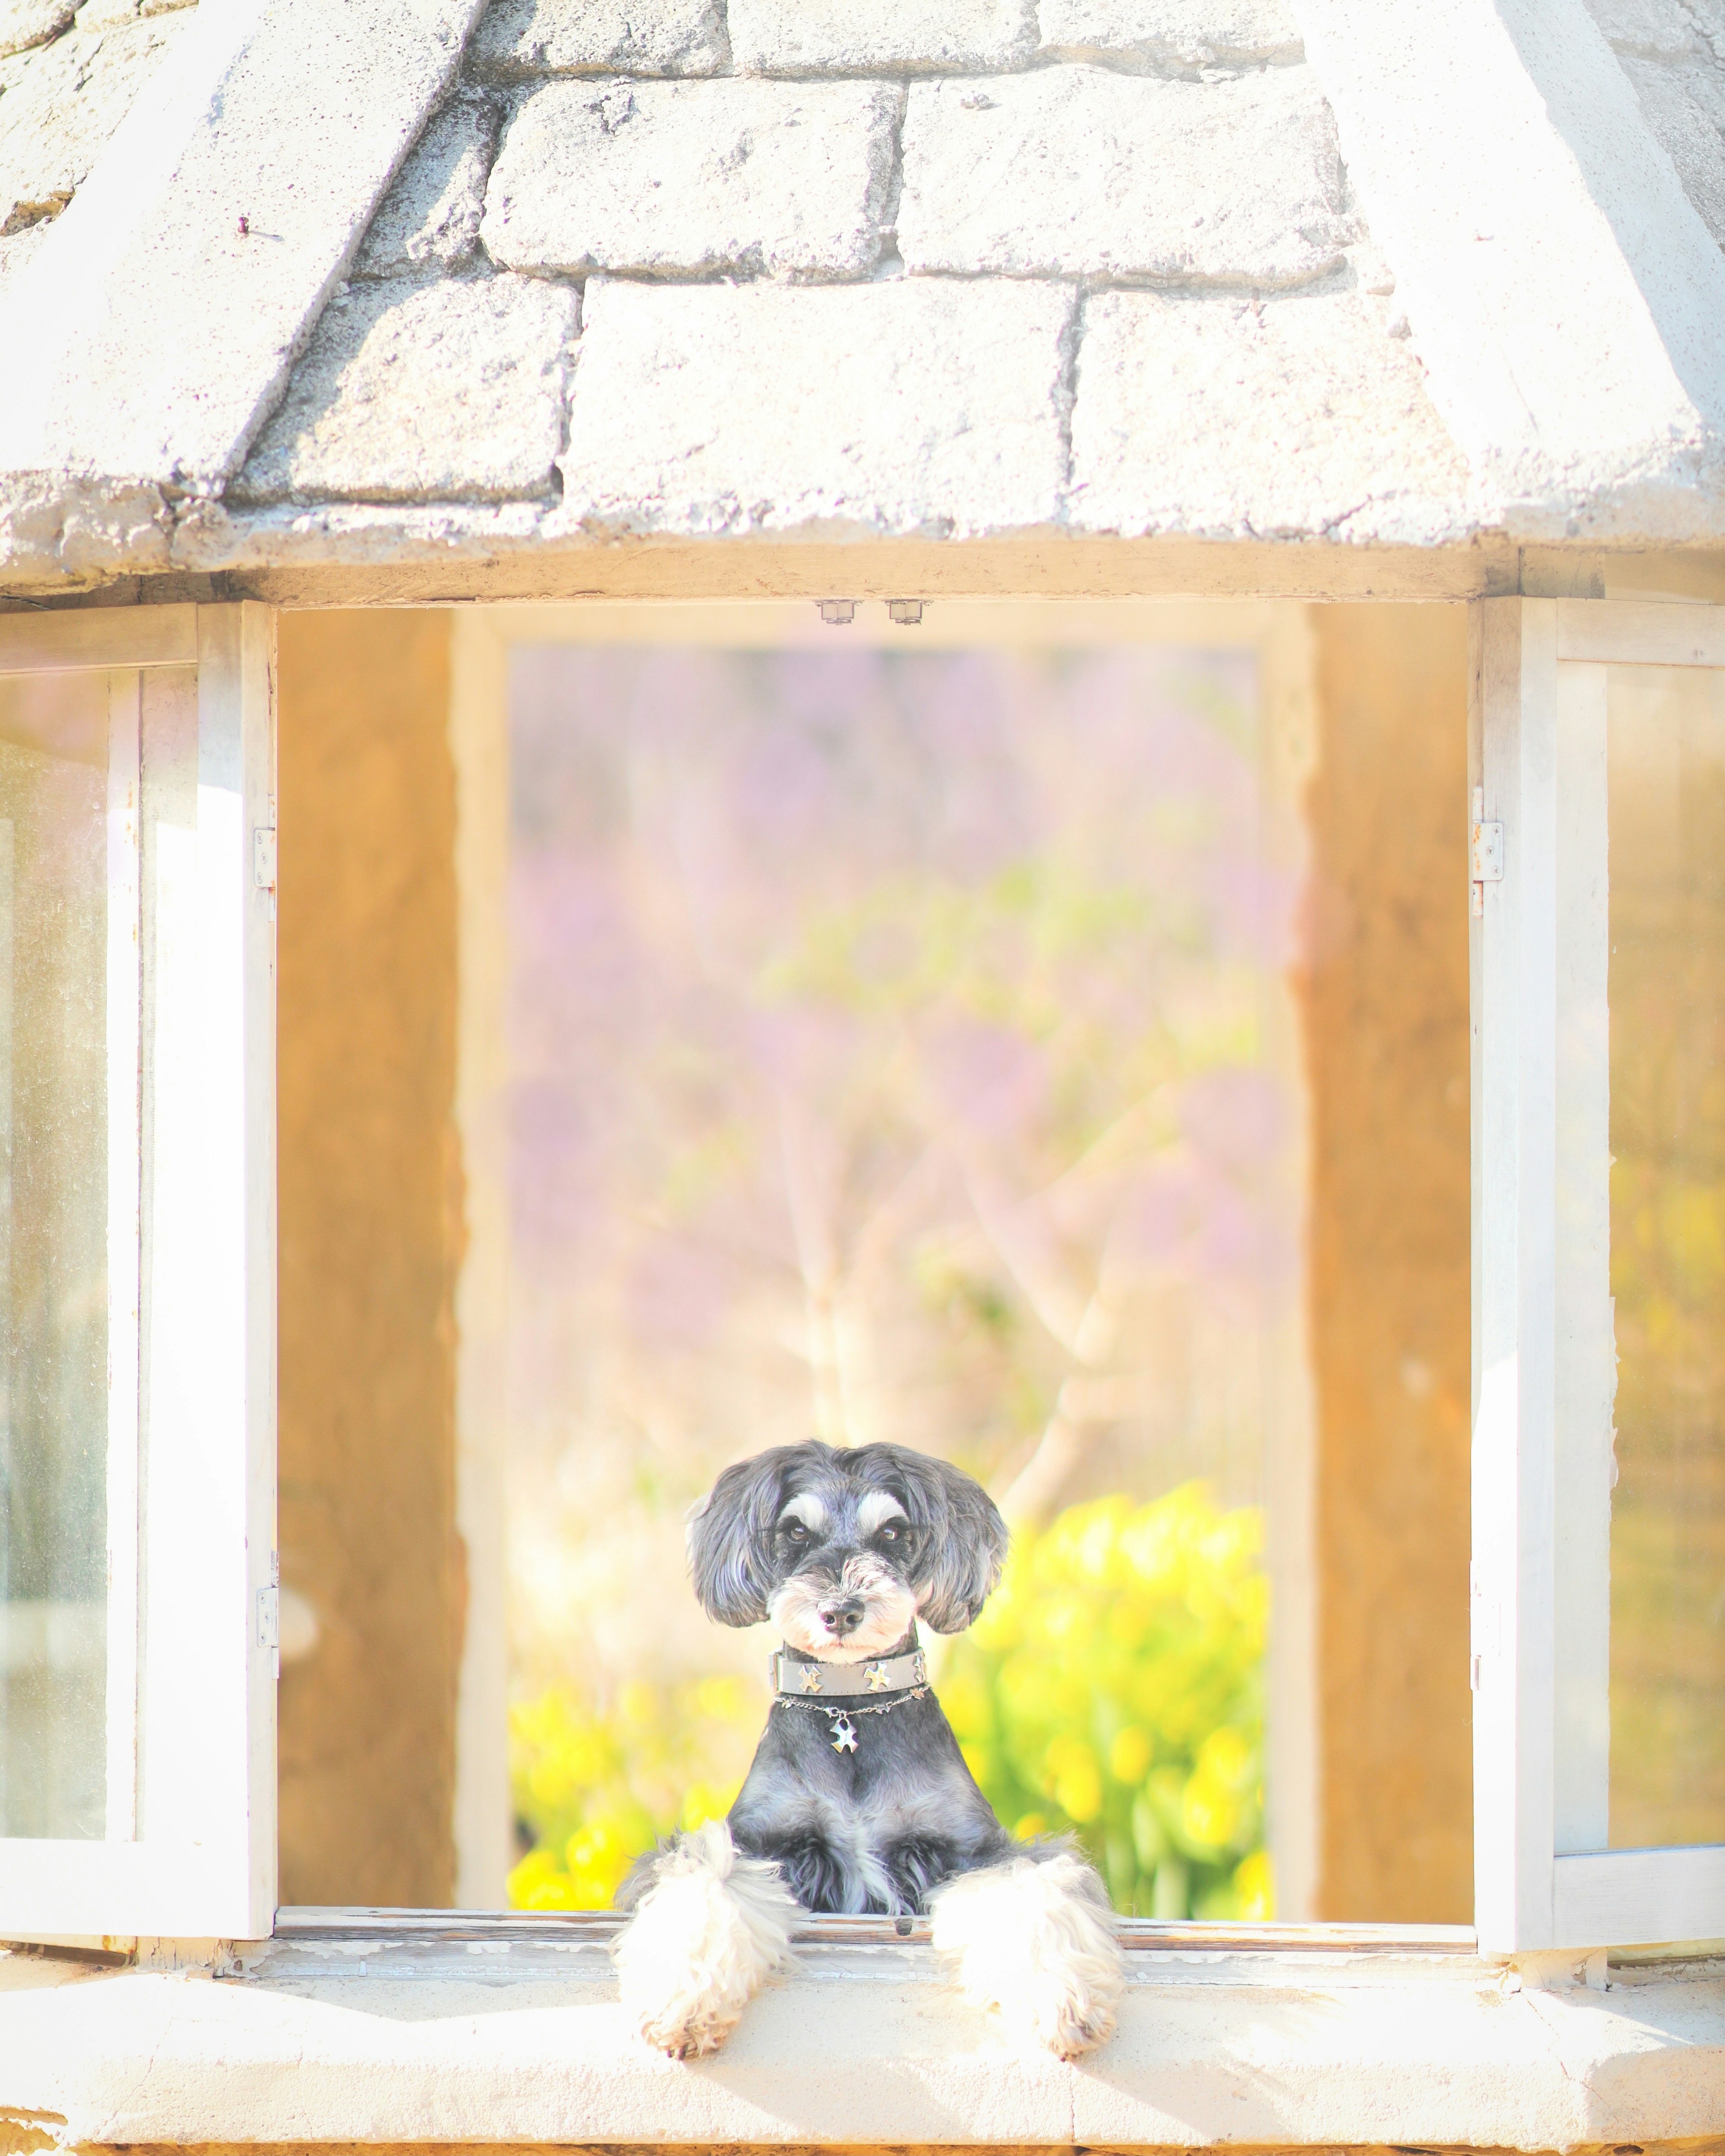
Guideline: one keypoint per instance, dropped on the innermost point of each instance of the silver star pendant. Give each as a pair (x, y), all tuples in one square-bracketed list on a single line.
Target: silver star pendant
[(844, 1734)]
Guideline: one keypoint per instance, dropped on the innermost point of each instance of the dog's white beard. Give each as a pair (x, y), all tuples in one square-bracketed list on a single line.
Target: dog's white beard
[(707, 1934), (888, 1607), (1036, 1941)]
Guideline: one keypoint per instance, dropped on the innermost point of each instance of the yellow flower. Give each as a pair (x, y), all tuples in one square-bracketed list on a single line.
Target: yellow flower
[(1077, 1783), (707, 1800), (1112, 1684), (1129, 1756), (638, 1704), (1254, 1883), (539, 1882)]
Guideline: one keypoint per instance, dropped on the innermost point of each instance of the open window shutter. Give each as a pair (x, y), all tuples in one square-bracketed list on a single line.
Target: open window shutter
[(1550, 1869), (137, 1582)]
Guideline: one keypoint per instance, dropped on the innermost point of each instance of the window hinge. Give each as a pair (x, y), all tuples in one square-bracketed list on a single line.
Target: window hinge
[(264, 857), (1486, 853), (269, 1617), (1484, 1623)]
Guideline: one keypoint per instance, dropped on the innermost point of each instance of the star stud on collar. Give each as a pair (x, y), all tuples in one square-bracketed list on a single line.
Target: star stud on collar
[(811, 1678), (876, 1677)]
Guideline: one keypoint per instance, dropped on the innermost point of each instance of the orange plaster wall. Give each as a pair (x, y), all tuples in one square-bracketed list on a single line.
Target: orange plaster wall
[(1385, 1004), (370, 1227)]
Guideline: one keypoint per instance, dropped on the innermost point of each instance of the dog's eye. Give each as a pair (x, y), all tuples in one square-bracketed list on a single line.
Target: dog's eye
[(796, 1530), (889, 1534)]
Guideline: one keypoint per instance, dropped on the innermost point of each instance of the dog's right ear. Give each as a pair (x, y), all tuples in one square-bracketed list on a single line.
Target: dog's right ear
[(730, 1533)]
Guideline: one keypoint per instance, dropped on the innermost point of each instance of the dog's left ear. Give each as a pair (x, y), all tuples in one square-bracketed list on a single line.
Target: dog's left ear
[(964, 1543), (730, 1534)]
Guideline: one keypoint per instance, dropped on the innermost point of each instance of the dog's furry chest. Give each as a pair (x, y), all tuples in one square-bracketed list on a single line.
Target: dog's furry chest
[(874, 1830)]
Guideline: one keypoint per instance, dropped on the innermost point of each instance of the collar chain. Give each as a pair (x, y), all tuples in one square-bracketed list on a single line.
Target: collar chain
[(896, 1679)]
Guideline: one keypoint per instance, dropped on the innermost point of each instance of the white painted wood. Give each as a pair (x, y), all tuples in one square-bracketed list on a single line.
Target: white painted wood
[(98, 637), (1640, 632), (232, 1214), (1585, 1370), (479, 745), (397, 1927), (1545, 1362), (201, 1862), (1641, 1897), (124, 1001), (1513, 760), (250, 692)]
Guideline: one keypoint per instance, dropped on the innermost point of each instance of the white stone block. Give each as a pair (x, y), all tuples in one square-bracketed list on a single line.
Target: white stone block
[(433, 212), (790, 37), (1083, 172), (173, 297), (106, 15), (893, 406), (24, 23), (1221, 417), (1683, 104), (440, 391), (17, 252), (1161, 33), (57, 118), (524, 38), (695, 178), (1666, 27), (1710, 24)]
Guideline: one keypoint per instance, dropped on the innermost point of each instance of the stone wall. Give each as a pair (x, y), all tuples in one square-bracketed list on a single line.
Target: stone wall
[(681, 268), (69, 73), (1673, 51)]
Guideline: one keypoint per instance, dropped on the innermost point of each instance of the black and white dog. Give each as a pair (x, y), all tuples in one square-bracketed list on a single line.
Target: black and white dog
[(859, 1798)]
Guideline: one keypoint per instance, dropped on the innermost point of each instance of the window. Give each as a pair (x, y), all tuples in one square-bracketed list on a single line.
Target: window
[(137, 1246), (1598, 1590), (137, 1592)]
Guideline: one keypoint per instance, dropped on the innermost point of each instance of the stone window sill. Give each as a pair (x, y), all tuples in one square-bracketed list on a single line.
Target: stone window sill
[(371, 2028)]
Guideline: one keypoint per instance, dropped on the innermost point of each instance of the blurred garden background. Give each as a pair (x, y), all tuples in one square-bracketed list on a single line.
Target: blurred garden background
[(897, 1056)]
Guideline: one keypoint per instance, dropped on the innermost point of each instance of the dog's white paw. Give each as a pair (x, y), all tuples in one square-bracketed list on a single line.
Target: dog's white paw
[(1035, 1940), (705, 1936)]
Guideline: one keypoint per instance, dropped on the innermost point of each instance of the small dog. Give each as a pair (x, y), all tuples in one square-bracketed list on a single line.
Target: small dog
[(859, 1798)]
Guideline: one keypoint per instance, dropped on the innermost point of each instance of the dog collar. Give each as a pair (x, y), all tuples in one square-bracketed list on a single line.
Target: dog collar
[(812, 1681)]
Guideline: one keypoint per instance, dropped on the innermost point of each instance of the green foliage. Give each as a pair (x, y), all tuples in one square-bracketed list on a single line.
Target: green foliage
[(1112, 1687)]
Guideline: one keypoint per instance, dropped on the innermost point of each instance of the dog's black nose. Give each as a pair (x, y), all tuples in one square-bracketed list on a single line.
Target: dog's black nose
[(841, 1618)]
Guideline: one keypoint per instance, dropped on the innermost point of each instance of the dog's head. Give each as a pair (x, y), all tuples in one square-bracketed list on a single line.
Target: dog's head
[(842, 1549)]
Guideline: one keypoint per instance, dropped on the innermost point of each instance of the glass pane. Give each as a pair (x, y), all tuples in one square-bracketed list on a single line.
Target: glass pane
[(1666, 730), (53, 1316)]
